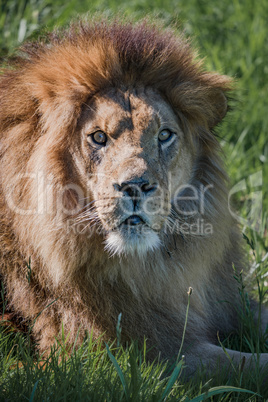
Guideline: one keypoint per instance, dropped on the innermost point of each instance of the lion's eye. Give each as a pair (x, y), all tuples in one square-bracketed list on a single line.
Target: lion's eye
[(99, 137), (165, 135)]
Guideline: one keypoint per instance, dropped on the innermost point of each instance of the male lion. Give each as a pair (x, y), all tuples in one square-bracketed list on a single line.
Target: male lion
[(113, 195)]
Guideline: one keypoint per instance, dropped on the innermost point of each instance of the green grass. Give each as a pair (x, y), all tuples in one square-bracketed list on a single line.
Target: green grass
[(232, 35), (94, 373)]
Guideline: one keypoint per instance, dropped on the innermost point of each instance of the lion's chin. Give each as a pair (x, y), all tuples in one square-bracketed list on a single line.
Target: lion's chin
[(130, 241)]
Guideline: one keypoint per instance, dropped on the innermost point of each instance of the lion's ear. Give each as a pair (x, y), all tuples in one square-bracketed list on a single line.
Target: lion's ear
[(219, 107), (204, 101)]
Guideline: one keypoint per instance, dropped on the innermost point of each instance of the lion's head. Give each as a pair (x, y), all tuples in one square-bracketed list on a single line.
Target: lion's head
[(133, 157), (109, 128)]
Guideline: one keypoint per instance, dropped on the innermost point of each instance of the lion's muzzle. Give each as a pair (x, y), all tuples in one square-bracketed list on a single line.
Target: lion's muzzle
[(136, 190), (134, 231)]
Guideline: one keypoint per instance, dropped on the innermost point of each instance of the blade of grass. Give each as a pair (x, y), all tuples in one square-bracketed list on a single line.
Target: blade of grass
[(119, 371)]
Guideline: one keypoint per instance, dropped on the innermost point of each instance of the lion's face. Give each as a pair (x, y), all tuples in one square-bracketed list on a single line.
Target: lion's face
[(134, 161)]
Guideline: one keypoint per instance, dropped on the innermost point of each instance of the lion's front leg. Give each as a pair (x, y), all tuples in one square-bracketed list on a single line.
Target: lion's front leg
[(213, 357)]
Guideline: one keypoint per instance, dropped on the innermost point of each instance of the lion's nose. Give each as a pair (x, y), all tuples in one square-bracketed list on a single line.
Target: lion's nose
[(136, 188)]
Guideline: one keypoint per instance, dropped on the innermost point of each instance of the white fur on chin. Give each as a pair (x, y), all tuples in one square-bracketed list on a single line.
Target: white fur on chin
[(133, 243)]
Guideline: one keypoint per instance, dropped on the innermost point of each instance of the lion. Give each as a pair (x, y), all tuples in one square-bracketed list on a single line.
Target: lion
[(114, 197)]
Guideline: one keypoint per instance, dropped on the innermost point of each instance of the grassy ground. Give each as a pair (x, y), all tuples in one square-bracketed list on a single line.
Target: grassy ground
[(233, 36)]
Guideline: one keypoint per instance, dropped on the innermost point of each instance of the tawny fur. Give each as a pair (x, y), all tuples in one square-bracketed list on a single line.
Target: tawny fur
[(48, 97)]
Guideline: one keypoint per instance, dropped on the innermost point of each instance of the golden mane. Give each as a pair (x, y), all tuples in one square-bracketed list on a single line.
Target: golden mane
[(88, 58)]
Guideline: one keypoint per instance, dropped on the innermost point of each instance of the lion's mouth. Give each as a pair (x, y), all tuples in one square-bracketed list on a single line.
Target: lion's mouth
[(133, 220)]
